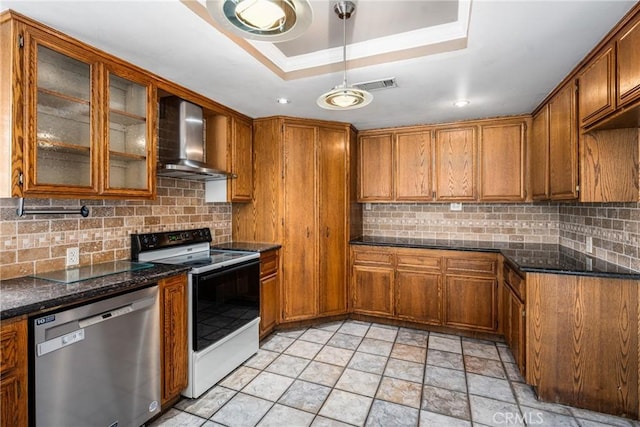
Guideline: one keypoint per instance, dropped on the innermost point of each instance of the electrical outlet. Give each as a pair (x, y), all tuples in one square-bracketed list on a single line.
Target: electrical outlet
[(589, 245), (367, 206), (73, 256), (455, 207)]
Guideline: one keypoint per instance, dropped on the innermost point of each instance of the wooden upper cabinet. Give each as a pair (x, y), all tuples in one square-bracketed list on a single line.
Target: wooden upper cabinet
[(628, 63), (62, 136), (375, 168), (412, 166), (88, 122), (596, 84), (241, 188), (539, 155), (455, 164), (563, 145), (129, 126), (502, 161)]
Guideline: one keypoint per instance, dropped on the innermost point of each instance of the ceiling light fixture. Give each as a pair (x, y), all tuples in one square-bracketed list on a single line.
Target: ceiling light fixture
[(461, 103), (262, 20), (282, 100), (344, 97)]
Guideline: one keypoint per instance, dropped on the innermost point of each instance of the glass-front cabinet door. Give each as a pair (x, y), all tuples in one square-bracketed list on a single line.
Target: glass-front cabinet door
[(61, 104), (90, 128), (128, 134)]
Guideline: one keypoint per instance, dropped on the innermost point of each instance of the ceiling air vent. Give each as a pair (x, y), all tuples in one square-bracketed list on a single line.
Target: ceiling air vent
[(377, 84)]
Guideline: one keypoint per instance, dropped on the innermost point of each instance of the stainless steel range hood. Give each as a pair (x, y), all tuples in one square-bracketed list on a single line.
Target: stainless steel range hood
[(182, 149)]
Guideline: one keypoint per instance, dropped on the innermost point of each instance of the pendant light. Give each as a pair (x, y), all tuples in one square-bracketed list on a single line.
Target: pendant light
[(262, 20), (344, 97)]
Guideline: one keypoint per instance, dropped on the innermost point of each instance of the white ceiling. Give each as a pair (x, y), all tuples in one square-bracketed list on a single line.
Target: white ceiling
[(516, 52)]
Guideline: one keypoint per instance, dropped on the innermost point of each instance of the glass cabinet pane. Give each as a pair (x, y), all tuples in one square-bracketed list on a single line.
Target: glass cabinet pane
[(127, 134), (63, 129)]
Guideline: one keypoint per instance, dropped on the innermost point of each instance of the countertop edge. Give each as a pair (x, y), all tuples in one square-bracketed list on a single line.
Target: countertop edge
[(522, 269), (142, 279)]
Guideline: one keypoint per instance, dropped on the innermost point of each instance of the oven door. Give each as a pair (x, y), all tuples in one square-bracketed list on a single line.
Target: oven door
[(223, 301)]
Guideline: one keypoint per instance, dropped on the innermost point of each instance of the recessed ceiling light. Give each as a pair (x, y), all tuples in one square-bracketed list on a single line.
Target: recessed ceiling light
[(283, 101), (461, 103)]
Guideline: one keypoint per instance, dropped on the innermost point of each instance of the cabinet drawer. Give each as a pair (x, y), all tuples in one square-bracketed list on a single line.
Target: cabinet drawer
[(516, 282), (268, 263), (372, 257), (416, 260), (471, 265)]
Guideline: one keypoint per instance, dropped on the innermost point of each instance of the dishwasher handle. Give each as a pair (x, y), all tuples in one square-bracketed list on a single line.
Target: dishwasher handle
[(98, 318), (137, 305)]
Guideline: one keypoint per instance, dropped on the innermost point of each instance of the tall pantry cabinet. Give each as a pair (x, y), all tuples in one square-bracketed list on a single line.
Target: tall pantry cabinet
[(303, 199)]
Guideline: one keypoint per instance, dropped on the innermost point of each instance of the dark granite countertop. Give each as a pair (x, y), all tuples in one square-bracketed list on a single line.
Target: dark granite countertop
[(27, 295), (526, 257), (248, 246)]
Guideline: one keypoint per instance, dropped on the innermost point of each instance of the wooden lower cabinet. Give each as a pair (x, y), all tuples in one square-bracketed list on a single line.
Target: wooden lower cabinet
[(13, 373), (268, 292), (582, 341), (174, 339), (449, 288), (372, 290), (512, 319), (418, 296), (471, 291), (471, 302)]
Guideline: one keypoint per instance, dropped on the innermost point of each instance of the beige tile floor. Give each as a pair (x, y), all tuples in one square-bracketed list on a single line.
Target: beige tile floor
[(357, 373)]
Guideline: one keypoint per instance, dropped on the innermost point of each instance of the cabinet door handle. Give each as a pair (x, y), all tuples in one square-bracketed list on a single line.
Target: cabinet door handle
[(327, 232), (308, 232)]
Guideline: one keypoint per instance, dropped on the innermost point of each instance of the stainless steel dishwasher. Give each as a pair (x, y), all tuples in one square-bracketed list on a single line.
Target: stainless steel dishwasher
[(98, 364)]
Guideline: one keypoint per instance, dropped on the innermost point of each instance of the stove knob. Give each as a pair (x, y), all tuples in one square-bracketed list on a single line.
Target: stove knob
[(154, 239), (144, 239)]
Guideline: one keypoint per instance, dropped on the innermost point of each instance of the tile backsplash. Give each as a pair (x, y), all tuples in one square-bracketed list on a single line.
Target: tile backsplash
[(533, 223), (614, 227), (38, 243)]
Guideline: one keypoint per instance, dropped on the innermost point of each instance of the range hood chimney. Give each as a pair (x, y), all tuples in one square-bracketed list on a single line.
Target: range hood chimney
[(181, 140)]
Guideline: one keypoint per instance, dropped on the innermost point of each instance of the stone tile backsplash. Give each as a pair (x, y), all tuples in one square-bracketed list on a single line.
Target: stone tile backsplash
[(38, 243), (532, 223), (614, 227)]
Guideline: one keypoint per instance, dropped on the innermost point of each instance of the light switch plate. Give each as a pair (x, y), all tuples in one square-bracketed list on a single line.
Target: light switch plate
[(589, 245), (455, 207)]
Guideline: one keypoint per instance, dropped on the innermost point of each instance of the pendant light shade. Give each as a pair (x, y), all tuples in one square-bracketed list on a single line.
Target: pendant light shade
[(344, 97), (262, 20)]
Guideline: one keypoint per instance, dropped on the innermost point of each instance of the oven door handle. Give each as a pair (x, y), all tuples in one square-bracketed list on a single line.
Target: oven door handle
[(225, 270)]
